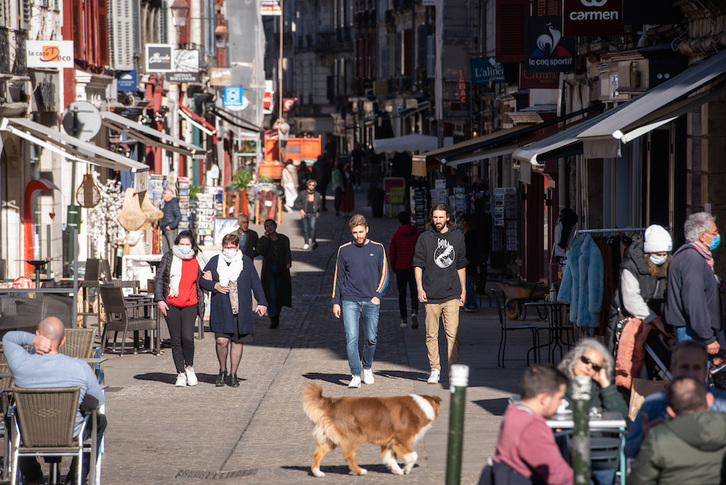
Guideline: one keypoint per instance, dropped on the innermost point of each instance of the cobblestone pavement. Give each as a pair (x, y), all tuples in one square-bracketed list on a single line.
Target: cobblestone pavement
[(258, 433)]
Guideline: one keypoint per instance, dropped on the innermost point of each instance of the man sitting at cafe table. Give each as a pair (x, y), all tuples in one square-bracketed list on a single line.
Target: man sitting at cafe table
[(689, 359), (45, 367)]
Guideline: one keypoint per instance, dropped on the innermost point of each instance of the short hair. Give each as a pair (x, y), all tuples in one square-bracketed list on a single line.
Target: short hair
[(232, 237), (312, 181), (243, 215), (688, 345), (404, 217), (567, 365), (696, 224), (686, 395), (441, 207), (357, 220), (540, 378), (270, 220), (465, 217)]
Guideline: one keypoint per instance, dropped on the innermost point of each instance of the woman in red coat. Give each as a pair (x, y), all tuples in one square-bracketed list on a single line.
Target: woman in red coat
[(400, 253)]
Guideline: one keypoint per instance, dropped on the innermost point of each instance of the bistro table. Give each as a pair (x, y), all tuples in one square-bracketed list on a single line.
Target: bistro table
[(554, 319)]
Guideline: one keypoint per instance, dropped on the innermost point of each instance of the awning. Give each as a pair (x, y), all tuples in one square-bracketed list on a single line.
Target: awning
[(479, 156), (68, 146), (404, 112), (151, 136), (197, 120), (252, 130), (603, 139)]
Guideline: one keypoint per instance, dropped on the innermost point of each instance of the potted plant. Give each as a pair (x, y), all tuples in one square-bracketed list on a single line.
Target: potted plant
[(376, 195)]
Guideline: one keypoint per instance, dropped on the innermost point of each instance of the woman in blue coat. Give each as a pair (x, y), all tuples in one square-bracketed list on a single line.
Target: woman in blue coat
[(231, 279)]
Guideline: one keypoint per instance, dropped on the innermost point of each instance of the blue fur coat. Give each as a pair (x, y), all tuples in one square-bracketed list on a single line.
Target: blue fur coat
[(583, 281)]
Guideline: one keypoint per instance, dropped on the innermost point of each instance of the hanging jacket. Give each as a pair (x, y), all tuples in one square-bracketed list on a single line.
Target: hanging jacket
[(582, 282)]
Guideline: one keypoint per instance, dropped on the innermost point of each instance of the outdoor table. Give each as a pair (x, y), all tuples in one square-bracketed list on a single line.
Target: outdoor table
[(554, 313)]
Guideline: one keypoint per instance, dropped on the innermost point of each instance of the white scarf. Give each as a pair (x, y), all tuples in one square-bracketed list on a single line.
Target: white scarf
[(175, 272), (229, 269)]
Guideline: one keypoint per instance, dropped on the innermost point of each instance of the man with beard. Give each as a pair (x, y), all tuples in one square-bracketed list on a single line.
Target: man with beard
[(361, 276), (439, 264)]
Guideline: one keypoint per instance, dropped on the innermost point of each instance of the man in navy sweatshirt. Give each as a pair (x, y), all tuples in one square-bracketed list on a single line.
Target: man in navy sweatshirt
[(361, 276)]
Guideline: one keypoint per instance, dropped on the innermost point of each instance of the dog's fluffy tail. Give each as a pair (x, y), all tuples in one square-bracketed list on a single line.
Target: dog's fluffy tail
[(313, 401)]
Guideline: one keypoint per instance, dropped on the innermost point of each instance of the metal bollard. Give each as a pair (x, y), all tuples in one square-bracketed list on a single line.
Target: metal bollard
[(581, 433), (458, 382)]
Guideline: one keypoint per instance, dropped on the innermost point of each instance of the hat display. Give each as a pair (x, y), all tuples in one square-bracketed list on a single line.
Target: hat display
[(657, 240)]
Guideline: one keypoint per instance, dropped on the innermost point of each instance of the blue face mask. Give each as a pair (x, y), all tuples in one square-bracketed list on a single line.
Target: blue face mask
[(715, 241), (658, 260), (185, 250)]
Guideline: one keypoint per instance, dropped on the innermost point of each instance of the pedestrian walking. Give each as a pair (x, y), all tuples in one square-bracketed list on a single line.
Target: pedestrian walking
[(308, 203), (231, 279), (303, 175), (471, 242), (179, 296), (276, 262), (347, 202), (289, 184), (440, 269), (361, 276), (321, 173), (169, 222), (400, 252), (248, 238), (338, 187)]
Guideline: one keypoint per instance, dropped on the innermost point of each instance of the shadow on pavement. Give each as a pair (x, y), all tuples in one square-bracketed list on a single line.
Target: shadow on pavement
[(396, 374), (494, 406), (341, 379)]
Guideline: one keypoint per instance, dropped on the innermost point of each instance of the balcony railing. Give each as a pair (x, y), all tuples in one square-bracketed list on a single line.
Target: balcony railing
[(12, 59)]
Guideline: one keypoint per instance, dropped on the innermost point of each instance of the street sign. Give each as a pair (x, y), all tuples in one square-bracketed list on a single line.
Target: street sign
[(81, 120), (233, 97)]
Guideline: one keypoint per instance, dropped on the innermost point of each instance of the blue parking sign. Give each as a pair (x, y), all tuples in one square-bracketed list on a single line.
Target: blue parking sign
[(233, 96)]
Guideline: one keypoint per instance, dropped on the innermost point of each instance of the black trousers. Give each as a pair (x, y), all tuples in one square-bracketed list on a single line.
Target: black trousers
[(322, 189), (181, 330), (405, 279)]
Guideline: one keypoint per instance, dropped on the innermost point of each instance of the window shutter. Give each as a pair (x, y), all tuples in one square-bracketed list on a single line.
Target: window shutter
[(102, 39), (408, 51), (511, 29), (78, 39), (123, 34)]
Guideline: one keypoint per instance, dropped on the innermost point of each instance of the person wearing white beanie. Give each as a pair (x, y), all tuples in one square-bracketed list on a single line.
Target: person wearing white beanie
[(642, 299)]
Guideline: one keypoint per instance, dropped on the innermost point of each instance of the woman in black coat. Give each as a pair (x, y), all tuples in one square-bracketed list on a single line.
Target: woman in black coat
[(232, 279), (180, 299), (276, 261)]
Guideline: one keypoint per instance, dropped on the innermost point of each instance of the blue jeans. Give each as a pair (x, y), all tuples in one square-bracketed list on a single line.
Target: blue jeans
[(367, 312), (309, 227), (273, 309)]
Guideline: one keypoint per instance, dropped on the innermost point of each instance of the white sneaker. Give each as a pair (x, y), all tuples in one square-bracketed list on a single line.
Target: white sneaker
[(306, 246), (181, 380), (434, 377), (191, 376), (354, 382), (368, 376), (404, 324)]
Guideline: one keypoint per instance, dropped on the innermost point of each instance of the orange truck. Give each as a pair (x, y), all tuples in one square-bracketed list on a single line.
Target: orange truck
[(298, 149)]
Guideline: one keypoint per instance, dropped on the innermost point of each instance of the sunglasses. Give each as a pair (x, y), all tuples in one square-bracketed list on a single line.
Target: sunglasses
[(585, 360)]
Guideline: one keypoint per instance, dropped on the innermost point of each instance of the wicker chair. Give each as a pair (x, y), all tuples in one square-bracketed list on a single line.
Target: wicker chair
[(90, 280), (42, 424), (124, 316), (79, 342), (6, 400)]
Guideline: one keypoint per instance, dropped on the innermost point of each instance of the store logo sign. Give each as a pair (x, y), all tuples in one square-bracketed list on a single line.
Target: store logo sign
[(547, 49), (57, 54), (592, 17), (159, 58)]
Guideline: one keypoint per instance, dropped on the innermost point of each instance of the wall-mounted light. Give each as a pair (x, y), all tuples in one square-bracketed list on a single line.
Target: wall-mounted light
[(221, 34), (179, 11)]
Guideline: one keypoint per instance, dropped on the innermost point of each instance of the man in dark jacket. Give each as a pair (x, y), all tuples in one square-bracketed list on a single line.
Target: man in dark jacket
[(169, 223), (400, 253), (689, 448), (322, 172), (693, 303), (439, 264), (247, 237), (308, 203)]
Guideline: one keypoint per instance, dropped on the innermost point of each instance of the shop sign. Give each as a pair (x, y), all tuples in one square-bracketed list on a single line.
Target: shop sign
[(288, 103), (485, 70), (186, 60), (592, 17), (547, 50), (233, 97), (159, 58), (183, 77), (220, 76), (538, 80), (271, 7), (127, 81), (49, 53), (267, 97), (461, 86)]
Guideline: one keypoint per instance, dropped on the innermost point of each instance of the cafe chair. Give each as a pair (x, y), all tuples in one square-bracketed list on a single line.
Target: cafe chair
[(124, 315), (91, 282), (79, 342), (506, 327), (42, 423), (6, 400)]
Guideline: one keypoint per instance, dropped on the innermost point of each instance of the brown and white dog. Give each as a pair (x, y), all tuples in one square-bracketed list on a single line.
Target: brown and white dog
[(394, 423)]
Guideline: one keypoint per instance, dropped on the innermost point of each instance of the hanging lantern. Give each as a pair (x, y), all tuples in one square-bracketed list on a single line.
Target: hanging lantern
[(88, 195)]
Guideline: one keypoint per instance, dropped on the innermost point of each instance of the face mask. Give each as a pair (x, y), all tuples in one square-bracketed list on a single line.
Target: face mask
[(229, 253), (185, 250), (658, 260), (715, 241)]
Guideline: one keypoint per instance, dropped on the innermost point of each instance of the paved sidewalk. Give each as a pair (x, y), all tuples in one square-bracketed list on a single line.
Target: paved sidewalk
[(258, 433)]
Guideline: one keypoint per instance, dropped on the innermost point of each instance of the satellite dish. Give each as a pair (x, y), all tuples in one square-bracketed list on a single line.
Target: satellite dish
[(81, 120)]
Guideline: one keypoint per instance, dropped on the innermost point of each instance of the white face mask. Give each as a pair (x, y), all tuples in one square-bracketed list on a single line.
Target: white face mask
[(658, 260), (229, 253), (185, 250)]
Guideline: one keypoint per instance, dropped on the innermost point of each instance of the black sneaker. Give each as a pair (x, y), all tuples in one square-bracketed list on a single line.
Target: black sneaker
[(233, 381), (414, 320), (315, 245), (221, 378)]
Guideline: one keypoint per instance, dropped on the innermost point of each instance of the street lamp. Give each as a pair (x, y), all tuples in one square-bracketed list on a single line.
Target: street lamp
[(221, 34), (179, 11)]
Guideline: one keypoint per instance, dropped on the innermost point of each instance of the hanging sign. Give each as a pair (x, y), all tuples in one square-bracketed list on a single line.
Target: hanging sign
[(127, 80), (49, 53), (592, 17), (220, 76), (233, 97), (159, 58), (547, 50), (270, 7), (485, 70)]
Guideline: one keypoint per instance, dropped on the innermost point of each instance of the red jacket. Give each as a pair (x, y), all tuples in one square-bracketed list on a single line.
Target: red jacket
[(402, 247)]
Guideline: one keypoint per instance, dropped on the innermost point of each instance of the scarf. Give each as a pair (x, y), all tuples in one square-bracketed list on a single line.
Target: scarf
[(175, 273), (705, 252), (229, 269)]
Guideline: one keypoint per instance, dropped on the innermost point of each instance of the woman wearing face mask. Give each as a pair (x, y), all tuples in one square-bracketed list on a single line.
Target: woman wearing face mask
[(180, 299), (643, 279), (231, 279)]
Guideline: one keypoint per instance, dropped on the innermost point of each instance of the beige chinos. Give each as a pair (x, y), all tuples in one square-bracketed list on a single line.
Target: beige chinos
[(449, 312)]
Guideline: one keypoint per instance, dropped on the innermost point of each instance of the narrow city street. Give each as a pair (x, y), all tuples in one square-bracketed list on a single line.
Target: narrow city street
[(258, 433)]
